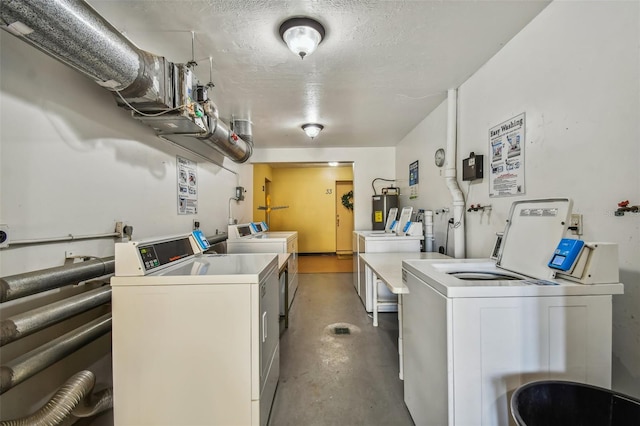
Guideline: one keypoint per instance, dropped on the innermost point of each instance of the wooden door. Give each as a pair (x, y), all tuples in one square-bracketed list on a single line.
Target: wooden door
[(344, 217)]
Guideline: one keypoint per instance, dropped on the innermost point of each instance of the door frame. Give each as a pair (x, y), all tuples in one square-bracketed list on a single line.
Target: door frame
[(338, 198)]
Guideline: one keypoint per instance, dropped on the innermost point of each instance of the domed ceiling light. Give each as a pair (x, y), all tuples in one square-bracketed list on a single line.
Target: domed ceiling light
[(302, 35), (312, 129)]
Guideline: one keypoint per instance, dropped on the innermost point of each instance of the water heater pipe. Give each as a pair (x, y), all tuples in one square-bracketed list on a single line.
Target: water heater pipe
[(450, 175)]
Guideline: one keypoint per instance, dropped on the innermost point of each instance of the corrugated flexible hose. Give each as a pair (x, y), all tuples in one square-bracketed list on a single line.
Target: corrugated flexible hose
[(67, 401)]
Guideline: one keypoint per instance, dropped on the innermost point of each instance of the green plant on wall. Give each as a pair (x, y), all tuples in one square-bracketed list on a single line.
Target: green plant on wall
[(347, 200)]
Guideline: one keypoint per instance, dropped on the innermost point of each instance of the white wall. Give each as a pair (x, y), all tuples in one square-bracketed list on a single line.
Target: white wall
[(420, 145), (574, 70), (72, 162), (369, 163)]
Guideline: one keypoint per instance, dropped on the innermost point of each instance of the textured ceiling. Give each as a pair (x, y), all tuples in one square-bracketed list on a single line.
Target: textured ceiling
[(383, 66)]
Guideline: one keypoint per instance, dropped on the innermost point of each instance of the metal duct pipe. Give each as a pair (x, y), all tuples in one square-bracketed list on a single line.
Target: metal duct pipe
[(21, 285), (24, 324), (67, 401), (31, 363), (95, 404), (75, 34), (243, 129), (227, 142), (61, 403)]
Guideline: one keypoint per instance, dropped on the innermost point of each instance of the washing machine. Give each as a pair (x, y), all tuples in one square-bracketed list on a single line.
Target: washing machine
[(395, 238), (476, 329), (255, 237), (195, 336)]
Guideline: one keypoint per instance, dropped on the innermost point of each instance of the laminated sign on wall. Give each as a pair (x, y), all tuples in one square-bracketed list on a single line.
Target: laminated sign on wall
[(187, 186), (414, 178), (506, 155)]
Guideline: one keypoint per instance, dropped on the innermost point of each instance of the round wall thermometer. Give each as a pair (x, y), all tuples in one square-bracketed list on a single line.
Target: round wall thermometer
[(439, 157)]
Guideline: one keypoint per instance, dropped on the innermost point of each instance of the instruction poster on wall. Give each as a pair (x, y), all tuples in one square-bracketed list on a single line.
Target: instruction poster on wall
[(187, 186), (506, 148), (414, 178)]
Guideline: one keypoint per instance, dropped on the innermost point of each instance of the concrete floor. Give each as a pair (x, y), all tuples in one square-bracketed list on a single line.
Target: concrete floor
[(331, 379)]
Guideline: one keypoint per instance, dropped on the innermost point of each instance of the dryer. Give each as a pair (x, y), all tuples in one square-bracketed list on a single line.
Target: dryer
[(195, 336), (255, 237)]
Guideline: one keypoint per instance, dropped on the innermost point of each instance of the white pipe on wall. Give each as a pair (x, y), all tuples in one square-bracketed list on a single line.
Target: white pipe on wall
[(450, 175), (428, 231)]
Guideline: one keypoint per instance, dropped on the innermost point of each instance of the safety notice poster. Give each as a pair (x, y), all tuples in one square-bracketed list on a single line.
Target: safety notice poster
[(506, 148), (414, 178), (187, 186)]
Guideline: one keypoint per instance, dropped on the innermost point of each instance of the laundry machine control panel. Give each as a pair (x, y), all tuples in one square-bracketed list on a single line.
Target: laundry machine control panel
[(138, 258)]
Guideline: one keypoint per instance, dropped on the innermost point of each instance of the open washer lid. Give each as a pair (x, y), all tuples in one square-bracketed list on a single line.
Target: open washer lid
[(533, 231)]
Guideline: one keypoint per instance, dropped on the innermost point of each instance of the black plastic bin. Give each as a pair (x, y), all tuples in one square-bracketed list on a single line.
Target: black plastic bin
[(552, 402)]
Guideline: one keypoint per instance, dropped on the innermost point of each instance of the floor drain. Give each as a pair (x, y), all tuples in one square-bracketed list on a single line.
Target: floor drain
[(340, 329)]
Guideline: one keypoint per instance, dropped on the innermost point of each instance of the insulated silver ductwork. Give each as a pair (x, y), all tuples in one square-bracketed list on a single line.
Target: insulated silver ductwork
[(72, 399), (243, 129), (75, 34), (25, 366), (21, 285), (21, 325)]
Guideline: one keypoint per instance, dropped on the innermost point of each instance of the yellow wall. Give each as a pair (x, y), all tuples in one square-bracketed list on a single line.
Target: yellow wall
[(310, 194), (260, 173)]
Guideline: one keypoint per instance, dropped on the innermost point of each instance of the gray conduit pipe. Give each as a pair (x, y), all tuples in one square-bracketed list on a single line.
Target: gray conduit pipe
[(26, 323), (25, 366), (21, 285), (67, 401)]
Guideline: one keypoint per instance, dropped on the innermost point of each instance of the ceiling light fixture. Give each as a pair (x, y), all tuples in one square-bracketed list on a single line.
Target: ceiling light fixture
[(302, 35), (312, 129)]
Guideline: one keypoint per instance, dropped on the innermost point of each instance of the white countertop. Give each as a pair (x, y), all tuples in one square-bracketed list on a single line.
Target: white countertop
[(382, 236), (283, 258), (266, 237), (434, 273), (388, 266)]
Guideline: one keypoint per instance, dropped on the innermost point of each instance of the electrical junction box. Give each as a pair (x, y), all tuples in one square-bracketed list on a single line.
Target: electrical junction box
[(239, 193), (472, 167)]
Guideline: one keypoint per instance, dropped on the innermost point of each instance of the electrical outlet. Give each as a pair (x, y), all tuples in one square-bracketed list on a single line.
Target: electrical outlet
[(576, 222), (196, 224)]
